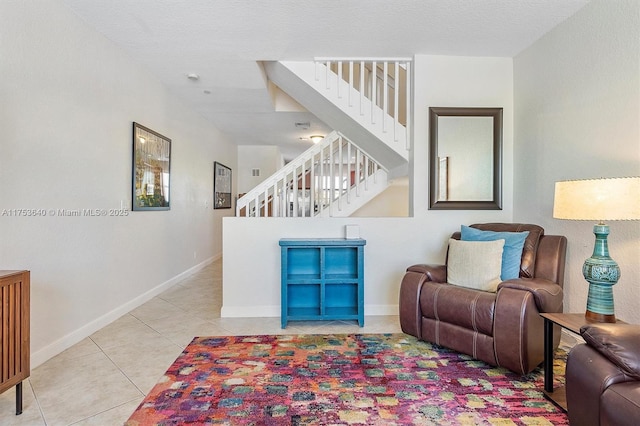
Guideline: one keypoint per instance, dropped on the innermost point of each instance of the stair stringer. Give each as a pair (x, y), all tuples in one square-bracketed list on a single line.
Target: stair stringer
[(361, 194)]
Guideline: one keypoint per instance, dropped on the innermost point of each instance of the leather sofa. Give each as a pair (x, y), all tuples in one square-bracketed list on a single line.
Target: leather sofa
[(502, 328), (602, 379)]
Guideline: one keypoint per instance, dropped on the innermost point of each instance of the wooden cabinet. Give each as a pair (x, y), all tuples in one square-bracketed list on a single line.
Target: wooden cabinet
[(322, 279), (14, 332)]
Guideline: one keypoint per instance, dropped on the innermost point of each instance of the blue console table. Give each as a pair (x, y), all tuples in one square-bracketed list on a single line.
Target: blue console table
[(322, 279)]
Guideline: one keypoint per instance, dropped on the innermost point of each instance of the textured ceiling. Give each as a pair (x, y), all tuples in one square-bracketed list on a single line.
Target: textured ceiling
[(221, 40)]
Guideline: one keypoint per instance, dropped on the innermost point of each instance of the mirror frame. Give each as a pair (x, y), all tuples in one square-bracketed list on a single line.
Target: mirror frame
[(496, 202)]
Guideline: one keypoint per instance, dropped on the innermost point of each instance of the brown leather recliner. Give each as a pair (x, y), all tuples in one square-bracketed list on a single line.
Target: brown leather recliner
[(502, 328), (603, 376)]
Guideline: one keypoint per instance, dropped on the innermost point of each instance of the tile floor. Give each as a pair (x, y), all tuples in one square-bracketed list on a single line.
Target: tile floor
[(101, 380)]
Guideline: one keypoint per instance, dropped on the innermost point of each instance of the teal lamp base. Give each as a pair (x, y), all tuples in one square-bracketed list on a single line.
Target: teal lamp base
[(602, 273)]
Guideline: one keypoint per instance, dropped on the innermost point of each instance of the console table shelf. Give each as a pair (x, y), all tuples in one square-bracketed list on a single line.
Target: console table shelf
[(322, 279)]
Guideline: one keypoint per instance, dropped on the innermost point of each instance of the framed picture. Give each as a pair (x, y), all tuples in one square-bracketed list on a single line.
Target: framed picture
[(151, 169), (221, 186)]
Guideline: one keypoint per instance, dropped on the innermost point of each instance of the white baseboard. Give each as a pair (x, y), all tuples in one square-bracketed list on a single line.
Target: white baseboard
[(379, 310), (249, 311), (65, 342), (274, 311)]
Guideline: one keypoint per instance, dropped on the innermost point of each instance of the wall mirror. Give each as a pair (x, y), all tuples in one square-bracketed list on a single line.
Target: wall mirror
[(465, 150)]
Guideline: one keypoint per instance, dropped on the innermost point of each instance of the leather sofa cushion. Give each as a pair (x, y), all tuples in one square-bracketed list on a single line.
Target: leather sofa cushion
[(620, 404), (620, 343), (463, 307)]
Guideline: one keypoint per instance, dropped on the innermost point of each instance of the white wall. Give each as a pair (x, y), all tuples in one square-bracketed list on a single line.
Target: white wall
[(392, 202), (68, 101), (447, 81), (266, 158), (577, 98), (251, 269)]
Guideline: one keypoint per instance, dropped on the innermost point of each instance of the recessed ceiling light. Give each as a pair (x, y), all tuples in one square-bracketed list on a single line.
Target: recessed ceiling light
[(207, 92), (193, 77)]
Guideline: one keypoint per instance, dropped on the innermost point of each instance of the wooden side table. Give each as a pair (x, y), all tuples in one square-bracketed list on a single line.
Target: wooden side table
[(573, 323), (14, 331)]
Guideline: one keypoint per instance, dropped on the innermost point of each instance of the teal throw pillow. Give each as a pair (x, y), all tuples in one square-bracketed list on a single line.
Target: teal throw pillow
[(513, 245)]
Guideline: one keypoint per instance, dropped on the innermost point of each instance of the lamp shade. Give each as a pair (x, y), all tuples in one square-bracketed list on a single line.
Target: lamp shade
[(598, 199)]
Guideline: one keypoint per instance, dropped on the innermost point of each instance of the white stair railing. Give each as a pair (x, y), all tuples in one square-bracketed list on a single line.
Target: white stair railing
[(326, 176), (384, 82)]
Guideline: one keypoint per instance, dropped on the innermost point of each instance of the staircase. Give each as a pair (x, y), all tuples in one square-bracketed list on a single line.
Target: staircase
[(368, 102), (331, 179)]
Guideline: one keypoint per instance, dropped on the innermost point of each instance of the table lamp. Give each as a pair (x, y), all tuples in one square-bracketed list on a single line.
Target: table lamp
[(599, 200)]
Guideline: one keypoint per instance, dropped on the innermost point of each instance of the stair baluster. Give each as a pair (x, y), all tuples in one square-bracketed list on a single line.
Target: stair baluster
[(314, 183)]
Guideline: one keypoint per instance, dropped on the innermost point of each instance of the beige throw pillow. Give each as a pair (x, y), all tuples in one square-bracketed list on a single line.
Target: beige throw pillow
[(475, 264)]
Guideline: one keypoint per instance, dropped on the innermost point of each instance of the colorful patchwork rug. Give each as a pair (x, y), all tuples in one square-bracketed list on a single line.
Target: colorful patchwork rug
[(365, 379)]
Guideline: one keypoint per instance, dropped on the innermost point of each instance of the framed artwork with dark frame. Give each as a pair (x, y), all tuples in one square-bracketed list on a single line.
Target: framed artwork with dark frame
[(221, 186), (151, 169)]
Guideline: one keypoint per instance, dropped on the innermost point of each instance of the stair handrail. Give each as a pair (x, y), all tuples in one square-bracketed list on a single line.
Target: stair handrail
[(362, 83), (259, 198), (287, 169)]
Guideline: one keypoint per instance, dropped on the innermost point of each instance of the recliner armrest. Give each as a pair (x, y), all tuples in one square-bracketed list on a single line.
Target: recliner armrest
[(435, 273), (619, 343), (547, 294)]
